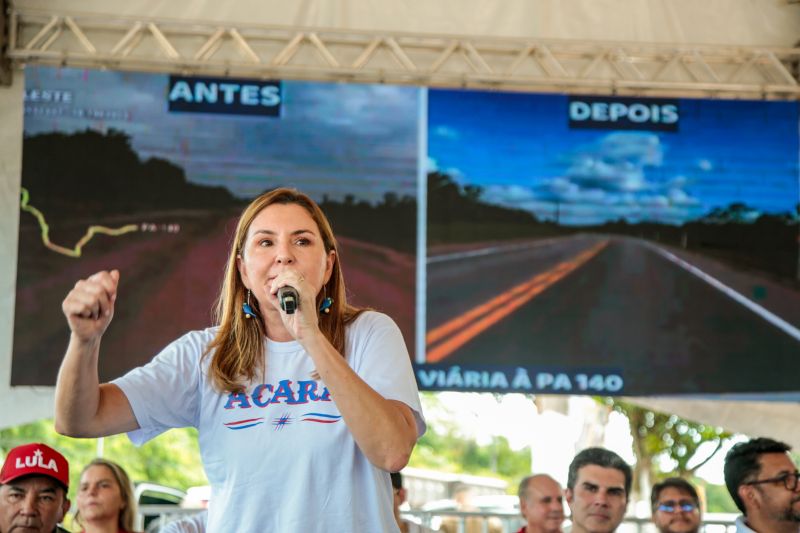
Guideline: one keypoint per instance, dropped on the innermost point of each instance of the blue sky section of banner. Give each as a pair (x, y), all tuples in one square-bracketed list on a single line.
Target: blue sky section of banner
[(520, 150)]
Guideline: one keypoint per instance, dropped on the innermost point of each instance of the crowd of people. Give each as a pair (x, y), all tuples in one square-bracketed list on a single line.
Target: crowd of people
[(760, 475), (34, 486), (304, 405)]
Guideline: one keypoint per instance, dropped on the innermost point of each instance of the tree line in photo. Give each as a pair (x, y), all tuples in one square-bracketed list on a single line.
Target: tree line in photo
[(735, 234), (92, 175)]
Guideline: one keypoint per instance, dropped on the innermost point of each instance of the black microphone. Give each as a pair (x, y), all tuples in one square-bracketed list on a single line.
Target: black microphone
[(289, 300)]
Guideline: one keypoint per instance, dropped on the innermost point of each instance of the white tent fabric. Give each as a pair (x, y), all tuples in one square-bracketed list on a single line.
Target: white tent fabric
[(20, 404), (734, 22), (775, 419), (719, 22)]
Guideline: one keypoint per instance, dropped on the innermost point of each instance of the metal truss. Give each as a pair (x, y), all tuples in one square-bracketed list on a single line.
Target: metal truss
[(260, 51)]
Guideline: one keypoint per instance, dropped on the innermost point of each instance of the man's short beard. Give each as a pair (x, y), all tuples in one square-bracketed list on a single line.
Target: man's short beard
[(790, 514)]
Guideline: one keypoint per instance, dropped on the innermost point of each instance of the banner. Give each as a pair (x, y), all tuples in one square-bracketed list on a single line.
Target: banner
[(575, 244), (147, 173), (603, 245)]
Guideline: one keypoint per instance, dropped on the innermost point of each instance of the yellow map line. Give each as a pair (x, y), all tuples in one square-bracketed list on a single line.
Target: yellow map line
[(91, 232)]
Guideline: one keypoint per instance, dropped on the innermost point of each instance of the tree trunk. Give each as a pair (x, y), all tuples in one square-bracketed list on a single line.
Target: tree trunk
[(643, 469)]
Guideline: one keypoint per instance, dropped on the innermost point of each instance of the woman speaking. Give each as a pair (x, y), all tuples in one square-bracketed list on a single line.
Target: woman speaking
[(303, 403)]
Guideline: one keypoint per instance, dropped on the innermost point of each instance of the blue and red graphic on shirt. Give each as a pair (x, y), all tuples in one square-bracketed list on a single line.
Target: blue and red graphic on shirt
[(320, 418), (286, 392), (282, 421), (244, 424)]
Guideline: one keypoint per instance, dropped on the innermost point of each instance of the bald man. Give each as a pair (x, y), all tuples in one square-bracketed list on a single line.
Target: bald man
[(541, 503)]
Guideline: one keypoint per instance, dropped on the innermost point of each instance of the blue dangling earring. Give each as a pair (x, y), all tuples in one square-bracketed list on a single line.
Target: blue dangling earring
[(248, 311), (325, 306)]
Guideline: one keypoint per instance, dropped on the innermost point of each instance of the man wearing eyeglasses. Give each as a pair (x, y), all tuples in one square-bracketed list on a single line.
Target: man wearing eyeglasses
[(675, 505), (762, 480)]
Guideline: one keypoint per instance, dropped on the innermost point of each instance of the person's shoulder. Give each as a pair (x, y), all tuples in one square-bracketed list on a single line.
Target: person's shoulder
[(741, 525), (188, 349), (372, 319), (372, 324), (203, 335), (373, 332), (198, 339)]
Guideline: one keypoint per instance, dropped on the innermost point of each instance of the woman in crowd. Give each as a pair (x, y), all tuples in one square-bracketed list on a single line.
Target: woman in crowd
[(301, 415), (105, 499)]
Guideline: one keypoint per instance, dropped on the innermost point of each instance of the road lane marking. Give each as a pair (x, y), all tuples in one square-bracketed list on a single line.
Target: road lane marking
[(773, 319), (456, 332)]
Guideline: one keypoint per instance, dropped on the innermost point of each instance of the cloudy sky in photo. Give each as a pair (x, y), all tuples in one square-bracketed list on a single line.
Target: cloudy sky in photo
[(331, 138), (520, 150)]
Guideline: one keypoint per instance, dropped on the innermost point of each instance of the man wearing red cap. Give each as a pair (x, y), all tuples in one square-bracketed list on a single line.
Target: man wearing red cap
[(33, 490)]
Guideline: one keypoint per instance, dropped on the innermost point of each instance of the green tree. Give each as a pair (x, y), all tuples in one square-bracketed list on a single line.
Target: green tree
[(444, 449), (171, 459), (717, 498), (666, 445), (452, 453)]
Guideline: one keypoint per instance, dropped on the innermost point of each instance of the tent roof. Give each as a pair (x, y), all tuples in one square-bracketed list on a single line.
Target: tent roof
[(717, 22)]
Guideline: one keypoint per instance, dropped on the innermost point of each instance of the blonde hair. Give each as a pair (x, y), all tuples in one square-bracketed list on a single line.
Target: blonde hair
[(128, 512), (238, 347)]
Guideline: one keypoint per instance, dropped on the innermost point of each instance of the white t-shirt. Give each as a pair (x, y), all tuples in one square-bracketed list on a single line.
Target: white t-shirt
[(195, 523), (279, 456), (741, 525)]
